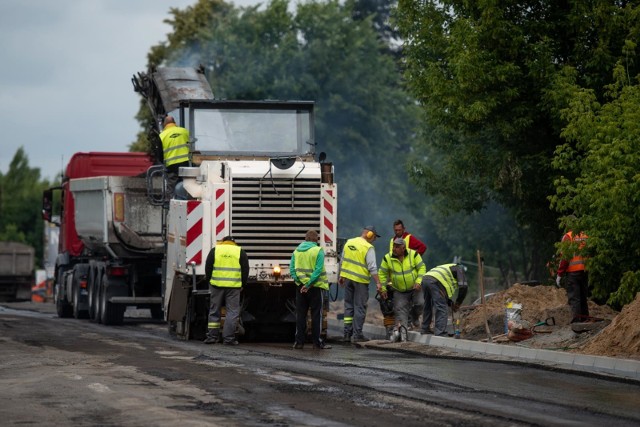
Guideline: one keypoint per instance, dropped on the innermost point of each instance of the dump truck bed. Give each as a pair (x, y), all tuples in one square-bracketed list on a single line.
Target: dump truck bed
[(113, 215)]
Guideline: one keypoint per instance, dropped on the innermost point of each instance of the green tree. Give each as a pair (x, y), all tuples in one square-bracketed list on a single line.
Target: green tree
[(21, 202), (486, 75), (364, 121), (599, 189)]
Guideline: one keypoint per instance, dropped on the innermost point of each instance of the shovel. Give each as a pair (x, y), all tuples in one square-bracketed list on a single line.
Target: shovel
[(549, 321)]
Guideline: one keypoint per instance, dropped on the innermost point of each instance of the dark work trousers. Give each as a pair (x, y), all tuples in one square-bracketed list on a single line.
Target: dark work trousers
[(577, 293), (356, 296), (230, 299), (312, 300), (173, 179), (435, 303)]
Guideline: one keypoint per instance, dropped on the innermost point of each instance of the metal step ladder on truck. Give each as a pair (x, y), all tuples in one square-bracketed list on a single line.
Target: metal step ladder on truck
[(254, 175), (110, 246)]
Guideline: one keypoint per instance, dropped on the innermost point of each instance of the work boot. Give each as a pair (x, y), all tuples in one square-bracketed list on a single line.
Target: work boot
[(211, 340), (360, 338), (322, 346), (298, 346), (234, 342), (346, 338)]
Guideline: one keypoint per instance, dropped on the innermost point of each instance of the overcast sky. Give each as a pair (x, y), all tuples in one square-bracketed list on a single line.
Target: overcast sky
[(65, 78)]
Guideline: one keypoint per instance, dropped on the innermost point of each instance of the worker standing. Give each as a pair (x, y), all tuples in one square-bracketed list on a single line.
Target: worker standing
[(403, 269), (411, 242), (439, 285), (227, 269), (308, 272), (175, 152), (357, 267), (577, 283)]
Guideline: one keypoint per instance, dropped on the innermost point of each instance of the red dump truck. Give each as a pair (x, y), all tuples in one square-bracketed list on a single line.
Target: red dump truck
[(110, 243)]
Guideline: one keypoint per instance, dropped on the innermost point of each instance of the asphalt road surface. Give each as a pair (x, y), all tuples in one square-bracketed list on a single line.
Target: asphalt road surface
[(73, 372)]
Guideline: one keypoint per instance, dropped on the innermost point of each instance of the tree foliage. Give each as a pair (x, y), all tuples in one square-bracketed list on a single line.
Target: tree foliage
[(365, 122), (599, 186), (20, 203), (486, 74)]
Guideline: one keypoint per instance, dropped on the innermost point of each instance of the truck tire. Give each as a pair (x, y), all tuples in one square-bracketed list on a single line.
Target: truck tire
[(95, 274), (80, 272), (111, 314), (63, 308)]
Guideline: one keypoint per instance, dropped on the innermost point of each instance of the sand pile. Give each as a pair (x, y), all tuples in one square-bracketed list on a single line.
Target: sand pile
[(622, 337)]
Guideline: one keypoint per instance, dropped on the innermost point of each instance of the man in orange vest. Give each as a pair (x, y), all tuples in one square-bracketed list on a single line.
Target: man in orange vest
[(577, 282)]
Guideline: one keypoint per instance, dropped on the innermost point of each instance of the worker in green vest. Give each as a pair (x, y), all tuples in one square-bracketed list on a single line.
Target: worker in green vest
[(403, 269), (357, 267), (308, 272), (227, 270), (439, 285)]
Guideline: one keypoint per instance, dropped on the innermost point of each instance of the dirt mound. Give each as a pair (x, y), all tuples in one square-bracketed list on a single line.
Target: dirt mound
[(622, 337), (539, 304)]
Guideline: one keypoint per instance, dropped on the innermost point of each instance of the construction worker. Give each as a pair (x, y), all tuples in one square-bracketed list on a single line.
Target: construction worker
[(357, 267), (175, 152), (227, 269), (411, 242), (307, 270), (577, 282), (439, 286), (403, 269)]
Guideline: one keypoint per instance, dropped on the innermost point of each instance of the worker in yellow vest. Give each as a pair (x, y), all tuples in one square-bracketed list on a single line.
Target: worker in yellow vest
[(308, 272), (357, 267), (175, 152), (403, 269), (439, 285), (411, 242), (227, 269)]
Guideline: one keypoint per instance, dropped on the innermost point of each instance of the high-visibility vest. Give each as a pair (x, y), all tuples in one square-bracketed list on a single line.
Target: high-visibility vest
[(406, 242), (404, 275), (306, 264), (443, 274), (354, 263), (226, 267), (175, 144), (577, 262)]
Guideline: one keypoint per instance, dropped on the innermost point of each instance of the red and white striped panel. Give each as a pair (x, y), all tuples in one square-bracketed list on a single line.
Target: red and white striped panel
[(194, 232), (329, 214), (219, 221)]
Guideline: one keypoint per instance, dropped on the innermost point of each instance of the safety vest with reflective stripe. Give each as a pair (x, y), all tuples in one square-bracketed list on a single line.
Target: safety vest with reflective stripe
[(306, 264), (406, 242), (444, 275), (404, 275), (175, 144), (226, 267), (577, 262), (354, 262)]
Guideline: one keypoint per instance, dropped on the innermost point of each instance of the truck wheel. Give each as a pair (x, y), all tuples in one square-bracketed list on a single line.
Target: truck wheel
[(111, 314), (63, 308), (94, 283), (80, 272)]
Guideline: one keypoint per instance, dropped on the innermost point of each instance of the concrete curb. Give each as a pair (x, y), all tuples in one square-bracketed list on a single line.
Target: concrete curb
[(621, 368)]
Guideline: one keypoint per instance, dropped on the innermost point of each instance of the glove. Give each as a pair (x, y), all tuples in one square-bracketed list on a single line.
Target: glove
[(558, 279)]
